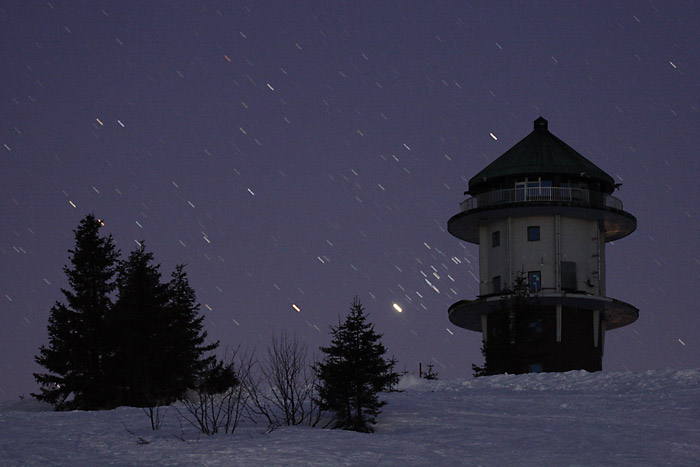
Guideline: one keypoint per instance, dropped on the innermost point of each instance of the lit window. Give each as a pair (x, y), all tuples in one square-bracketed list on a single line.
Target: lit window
[(533, 189), (533, 233), (536, 325), (534, 280)]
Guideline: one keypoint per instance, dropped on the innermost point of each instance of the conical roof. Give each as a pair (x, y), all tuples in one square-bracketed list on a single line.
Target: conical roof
[(540, 154)]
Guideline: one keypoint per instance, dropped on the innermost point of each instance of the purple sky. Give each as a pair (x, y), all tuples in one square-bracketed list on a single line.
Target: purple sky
[(301, 153)]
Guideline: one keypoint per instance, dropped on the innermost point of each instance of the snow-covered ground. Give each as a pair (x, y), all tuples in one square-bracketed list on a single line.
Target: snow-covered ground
[(574, 418)]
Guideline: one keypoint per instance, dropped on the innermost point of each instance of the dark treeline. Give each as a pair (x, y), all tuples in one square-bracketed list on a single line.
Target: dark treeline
[(124, 336)]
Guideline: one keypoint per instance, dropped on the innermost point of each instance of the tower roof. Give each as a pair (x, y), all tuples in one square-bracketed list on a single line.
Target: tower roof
[(540, 153)]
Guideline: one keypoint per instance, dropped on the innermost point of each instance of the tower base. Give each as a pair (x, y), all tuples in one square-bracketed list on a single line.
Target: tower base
[(536, 337)]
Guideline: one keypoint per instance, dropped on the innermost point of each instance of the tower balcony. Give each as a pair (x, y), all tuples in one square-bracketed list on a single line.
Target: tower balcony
[(579, 203), (542, 194), (468, 314)]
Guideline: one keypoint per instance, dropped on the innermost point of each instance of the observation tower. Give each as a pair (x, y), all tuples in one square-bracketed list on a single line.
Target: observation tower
[(541, 214)]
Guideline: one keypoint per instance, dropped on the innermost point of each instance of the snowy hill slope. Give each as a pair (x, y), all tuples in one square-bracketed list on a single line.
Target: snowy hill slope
[(574, 418)]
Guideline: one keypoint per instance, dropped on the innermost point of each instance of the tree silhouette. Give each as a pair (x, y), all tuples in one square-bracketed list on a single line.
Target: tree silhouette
[(146, 349), (184, 337), (430, 374), (76, 354), (353, 372), (506, 350), (157, 334)]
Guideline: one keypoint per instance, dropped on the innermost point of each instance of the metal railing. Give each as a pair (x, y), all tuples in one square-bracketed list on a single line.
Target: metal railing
[(541, 194)]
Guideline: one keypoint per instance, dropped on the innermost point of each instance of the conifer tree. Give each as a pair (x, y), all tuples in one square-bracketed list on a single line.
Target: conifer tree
[(137, 323), (75, 356), (353, 372), (505, 352), (146, 349), (430, 374), (158, 343), (183, 336)]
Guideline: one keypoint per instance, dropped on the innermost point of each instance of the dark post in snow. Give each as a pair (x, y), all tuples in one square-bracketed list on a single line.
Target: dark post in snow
[(544, 212)]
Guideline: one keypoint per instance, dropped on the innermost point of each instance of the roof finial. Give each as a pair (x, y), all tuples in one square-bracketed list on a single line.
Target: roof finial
[(540, 124)]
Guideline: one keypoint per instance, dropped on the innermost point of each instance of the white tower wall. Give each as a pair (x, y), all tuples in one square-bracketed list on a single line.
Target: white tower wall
[(561, 240)]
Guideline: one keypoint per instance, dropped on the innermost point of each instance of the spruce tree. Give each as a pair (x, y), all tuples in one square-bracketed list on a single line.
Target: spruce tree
[(158, 343), (75, 356), (136, 323), (183, 337), (505, 352), (353, 372), (430, 374)]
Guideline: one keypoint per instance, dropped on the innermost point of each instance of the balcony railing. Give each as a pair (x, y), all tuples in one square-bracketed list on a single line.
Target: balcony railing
[(542, 194)]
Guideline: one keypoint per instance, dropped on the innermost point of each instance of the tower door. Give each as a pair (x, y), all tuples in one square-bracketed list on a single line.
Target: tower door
[(520, 188)]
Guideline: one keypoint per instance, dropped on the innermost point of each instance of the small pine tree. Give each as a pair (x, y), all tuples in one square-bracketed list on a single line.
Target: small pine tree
[(430, 374), (353, 372), (505, 351), (75, 357)]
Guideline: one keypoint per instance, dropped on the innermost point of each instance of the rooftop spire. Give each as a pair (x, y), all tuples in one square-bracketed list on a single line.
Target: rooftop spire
[(540, 124)]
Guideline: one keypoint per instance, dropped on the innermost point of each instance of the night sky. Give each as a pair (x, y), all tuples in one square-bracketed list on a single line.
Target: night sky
[(296, 154)]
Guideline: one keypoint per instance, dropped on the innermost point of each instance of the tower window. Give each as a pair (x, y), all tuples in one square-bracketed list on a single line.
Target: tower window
[(495, 238), (496, 284), (533, 233), (568, 275), (534, 280)]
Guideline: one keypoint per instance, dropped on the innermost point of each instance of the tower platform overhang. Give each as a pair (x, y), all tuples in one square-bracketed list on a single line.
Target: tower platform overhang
[(615, 223), (616, 313)]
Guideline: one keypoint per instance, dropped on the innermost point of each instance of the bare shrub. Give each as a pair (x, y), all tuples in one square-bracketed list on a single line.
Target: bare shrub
[(219, 401), (284, 394), (156, 415)]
